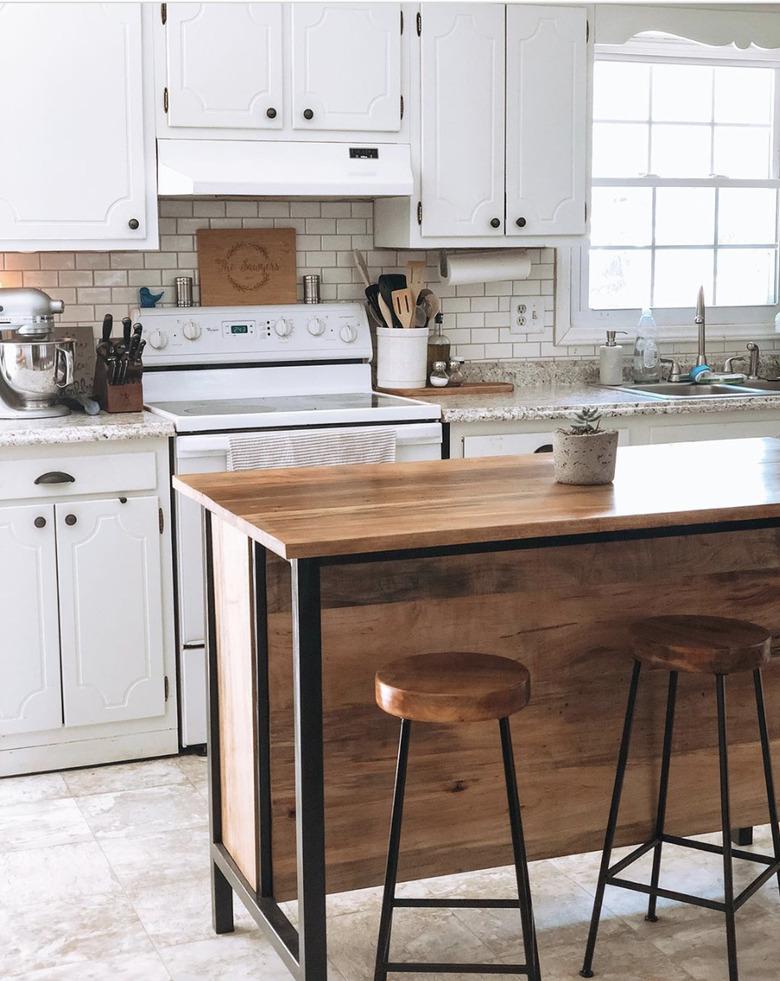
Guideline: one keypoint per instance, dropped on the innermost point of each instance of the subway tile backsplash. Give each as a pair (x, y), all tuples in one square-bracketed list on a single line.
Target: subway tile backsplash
[(95, 283)]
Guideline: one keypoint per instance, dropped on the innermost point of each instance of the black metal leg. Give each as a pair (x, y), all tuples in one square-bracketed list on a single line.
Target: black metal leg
[(742, 837), (221, 902), (221, 890), (309, 777), (766, 752), (725, 808), (393, 848), (662, 793), (614, 811), (521, 861)]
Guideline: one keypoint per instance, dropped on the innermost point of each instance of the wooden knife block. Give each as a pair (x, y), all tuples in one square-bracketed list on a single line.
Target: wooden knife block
[(117, 398)]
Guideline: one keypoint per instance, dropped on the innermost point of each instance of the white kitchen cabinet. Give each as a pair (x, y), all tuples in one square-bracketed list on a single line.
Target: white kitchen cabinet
[(547, 84), (30, 697), (514, 443), (87, 656), (500, 137), (224, 65), (463, 91), (78, 163), (108, 560), (346, 66)]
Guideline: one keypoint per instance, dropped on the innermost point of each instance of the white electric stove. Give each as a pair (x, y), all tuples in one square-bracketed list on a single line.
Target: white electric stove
[(217, 370)]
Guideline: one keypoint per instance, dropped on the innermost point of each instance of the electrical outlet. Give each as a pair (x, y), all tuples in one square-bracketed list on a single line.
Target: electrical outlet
[(527, 314)]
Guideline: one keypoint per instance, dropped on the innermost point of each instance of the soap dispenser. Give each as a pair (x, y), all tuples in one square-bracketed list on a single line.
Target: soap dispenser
[(611, 360)]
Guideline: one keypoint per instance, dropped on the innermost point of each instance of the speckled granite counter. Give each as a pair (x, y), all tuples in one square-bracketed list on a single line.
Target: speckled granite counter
[(80, 428), (558, 401)]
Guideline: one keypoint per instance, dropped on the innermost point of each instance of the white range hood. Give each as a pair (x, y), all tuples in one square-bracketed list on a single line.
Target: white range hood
[(263, 169)]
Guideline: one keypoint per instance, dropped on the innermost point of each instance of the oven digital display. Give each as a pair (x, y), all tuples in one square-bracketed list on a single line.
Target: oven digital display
[(239, 328)]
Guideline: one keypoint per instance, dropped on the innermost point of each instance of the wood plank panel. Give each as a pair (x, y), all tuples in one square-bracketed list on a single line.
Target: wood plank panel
[(314, 512), (564, 612), (233, 591)]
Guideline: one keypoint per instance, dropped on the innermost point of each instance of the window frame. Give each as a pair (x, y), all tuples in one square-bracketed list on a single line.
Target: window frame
[(579, 324)]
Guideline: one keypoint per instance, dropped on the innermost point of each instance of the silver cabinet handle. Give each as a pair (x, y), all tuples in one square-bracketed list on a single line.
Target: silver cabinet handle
[(55, 477)]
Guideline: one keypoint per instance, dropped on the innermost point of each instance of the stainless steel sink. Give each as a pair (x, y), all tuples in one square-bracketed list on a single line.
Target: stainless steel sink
[(688, 390)]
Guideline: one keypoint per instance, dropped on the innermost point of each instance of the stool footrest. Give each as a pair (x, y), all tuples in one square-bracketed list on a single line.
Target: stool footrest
[(456, 904), (409, 967), (773, 868)]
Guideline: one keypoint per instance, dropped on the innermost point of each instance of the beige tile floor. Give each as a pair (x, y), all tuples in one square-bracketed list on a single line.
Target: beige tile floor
[(104, 875)]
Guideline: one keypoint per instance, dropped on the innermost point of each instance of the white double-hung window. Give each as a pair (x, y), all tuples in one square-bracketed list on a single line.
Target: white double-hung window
[(685, 188)]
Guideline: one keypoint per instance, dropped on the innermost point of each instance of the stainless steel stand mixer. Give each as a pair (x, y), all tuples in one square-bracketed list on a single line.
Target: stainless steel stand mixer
[(34, 367)]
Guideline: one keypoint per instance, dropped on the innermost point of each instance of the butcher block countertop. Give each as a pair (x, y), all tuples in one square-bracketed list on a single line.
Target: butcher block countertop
[(316, 512)]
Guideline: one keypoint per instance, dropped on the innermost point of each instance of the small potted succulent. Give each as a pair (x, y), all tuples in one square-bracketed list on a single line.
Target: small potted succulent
[(585, 453)]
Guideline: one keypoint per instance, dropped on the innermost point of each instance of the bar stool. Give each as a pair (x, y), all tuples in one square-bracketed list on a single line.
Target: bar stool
[(453, 688), (695, 645)]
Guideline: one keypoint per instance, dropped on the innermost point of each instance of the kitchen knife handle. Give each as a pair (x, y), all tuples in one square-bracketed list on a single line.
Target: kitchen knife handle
[(55, 477)]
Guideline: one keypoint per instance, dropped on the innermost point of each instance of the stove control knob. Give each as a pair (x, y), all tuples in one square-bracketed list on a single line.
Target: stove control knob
[(348, 333), (316, 326), (191, 330), (158, 340), (283, 327)]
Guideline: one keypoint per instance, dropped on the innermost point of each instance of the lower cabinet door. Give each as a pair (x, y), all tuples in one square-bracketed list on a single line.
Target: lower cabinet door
[(108, 560), (30, 695)]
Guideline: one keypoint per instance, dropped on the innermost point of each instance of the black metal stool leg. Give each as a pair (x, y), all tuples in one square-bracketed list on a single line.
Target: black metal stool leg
[(767, 758), (521, 861), (587, 967), (388, 898), (728, 872), (662, 793)]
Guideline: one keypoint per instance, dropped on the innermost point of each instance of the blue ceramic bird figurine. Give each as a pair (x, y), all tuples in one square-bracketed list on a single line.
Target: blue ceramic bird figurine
[(147, 298)]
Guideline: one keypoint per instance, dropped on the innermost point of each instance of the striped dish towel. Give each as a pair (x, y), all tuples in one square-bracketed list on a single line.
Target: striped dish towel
[(320, 448)]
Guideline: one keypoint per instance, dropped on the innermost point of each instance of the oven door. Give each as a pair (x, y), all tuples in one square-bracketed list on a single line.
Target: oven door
[(208, 454)]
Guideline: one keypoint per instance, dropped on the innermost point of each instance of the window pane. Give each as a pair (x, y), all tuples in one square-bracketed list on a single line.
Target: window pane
[(742, 151), (682, 93), (621, 90), (619, 280), (743, 95), (678, 275), (747, 216), (621, 216), (685, 216), (619, 149), (681, 151), (746, 277)]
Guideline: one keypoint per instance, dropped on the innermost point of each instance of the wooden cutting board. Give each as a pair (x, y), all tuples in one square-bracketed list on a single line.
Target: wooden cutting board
[(467, 388), (243, 267)]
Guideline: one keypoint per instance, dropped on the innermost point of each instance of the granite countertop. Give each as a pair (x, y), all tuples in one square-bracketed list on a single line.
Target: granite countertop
[(81, 428), (562, 401)]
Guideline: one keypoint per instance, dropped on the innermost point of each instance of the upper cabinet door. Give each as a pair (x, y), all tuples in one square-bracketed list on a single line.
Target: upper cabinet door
[(76, 165), (346, 66), (108, 559), (463, 119), (225, 65), (30, 697), (547, 80)]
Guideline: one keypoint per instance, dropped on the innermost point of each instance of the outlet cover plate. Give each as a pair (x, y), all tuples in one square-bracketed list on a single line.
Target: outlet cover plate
[(527, 314)]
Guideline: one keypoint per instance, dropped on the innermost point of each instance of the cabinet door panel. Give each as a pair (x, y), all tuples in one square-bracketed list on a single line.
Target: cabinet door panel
[(30, 697), (463, 119), (546, 120), (110, 610), (347, 66), (225, 65), (73, 164)]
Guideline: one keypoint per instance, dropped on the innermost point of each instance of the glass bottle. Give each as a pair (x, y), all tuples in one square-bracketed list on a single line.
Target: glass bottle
[(439, 345)]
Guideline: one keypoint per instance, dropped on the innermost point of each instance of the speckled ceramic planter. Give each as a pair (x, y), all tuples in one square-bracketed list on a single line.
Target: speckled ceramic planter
[(584, 459)]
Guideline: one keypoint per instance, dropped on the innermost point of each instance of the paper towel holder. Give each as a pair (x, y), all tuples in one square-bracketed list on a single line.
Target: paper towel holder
[(485, 257)]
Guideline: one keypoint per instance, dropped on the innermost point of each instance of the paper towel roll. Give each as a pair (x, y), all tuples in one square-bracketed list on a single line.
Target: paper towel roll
[(484, 267)]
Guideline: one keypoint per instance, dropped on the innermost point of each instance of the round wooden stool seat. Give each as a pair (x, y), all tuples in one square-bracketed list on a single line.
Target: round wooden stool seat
[(701, 645), (453, 687)]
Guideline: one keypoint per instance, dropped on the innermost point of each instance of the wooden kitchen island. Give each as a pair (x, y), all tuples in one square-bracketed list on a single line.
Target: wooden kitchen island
[(318, 576)]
